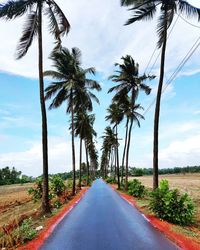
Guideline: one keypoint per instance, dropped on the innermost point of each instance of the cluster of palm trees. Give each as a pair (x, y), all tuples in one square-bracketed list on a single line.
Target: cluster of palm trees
[(73, 87), (123, 106), (71, 83), (144, 10)]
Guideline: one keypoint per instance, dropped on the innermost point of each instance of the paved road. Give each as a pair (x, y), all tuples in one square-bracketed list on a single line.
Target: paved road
[(104, 221)]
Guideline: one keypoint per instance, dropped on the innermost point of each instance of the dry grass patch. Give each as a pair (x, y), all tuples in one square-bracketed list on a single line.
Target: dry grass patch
[(186, 183)]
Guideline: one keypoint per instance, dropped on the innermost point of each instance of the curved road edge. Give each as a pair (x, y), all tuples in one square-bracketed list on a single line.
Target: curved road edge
[(53, 222), (162, 226)]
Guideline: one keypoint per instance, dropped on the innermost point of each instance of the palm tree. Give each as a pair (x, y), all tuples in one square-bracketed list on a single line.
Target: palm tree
[(132, 116), (72, 86), (146, 10), (109, 143), (93, 154), (58, 26), (83, 123), (115, 115), (128, 81)]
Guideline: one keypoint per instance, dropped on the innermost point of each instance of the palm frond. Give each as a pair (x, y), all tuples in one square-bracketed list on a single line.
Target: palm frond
[(76, 53), (13, 9), (143, 13), (63, 23), (90, 70), (127, 2), (145, 88), (29, 32), (54, 74), (164, 22), (93, 96), (52, 89), (92, 84), (59, 99), (53, 25), (188, 9)]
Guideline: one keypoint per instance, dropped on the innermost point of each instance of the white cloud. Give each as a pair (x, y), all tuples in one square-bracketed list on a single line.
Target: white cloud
[(196, 112), (181, 152), (30, 161), (102, 38)]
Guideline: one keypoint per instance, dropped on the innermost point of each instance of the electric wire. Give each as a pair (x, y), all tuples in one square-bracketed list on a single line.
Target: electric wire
[(159, 51), (177, 70)]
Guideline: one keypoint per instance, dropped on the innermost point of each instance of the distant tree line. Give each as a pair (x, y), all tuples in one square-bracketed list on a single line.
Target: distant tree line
[(12, 176), (133, 171)]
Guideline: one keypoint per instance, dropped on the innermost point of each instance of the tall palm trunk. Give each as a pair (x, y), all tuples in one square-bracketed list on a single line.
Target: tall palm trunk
[(107, 167), (157, 109), (127, 154), (112, 161), (87, 163), (45, 190), (117, 154), (124, 152), (80, 162), (115, 165), (73, 148)]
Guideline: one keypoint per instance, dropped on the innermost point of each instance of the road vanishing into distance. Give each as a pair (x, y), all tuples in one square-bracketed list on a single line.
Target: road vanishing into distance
[(103, 220)]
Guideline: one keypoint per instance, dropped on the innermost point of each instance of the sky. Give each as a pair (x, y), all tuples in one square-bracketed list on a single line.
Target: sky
[(97, 29)]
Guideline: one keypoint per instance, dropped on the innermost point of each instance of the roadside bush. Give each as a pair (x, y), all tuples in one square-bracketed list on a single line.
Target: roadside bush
[(26, 231), (20, 235), (110, 180), (36, 191), (170, 205), (57, 185), (136, 189), (69, 183), (57, 204), (56, 188)]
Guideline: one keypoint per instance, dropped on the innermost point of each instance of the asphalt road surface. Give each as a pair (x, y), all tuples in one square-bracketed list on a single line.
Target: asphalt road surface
[(103, 220)]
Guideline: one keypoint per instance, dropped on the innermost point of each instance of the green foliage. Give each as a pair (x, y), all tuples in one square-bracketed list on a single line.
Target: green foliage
[(136, 188), (69, 184), (57, 204), (36, 191), (84, 181), (57, 185), (111, 180), (170, 205), (21, 234), (133, 171), (10, 176), (26, 231)]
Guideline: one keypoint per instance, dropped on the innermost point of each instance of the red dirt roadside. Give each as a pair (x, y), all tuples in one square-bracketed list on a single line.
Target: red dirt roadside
[(52, 222), (163, 226)]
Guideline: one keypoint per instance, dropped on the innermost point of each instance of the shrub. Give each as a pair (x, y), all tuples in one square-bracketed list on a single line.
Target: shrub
[(84, 181), (26, 231), (170, 205), (57, 185), (22, 233), (36, 191), (111, 180), (136, 188), (69, 183), (57, 204)]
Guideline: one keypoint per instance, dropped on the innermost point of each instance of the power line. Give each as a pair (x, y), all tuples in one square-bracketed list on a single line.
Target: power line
[(159, 51), (196, 26), (178, 69)]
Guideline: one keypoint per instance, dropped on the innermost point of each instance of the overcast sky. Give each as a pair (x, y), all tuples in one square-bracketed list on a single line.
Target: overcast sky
[(97, 29)]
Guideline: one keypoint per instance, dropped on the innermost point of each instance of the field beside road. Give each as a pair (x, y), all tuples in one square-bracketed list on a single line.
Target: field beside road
[(186, 183), (15, 202)]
